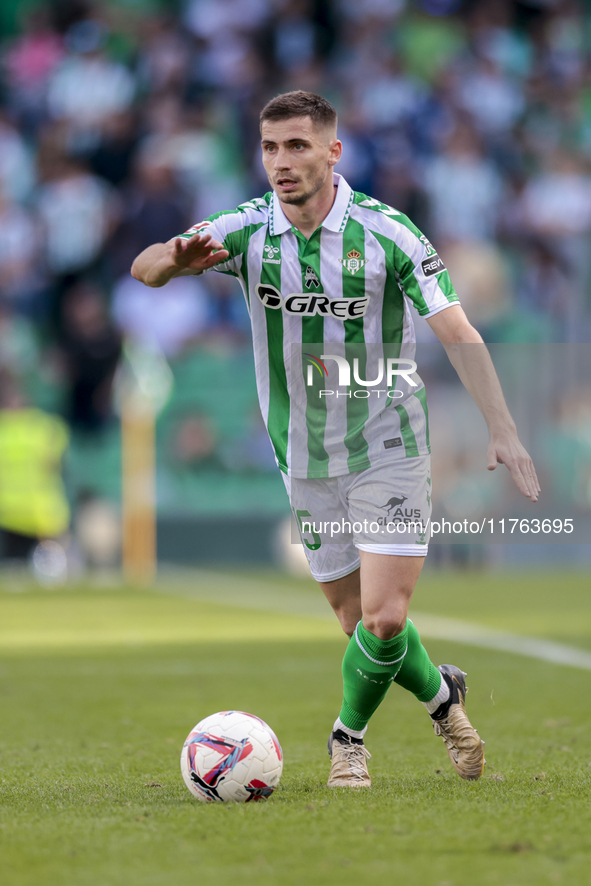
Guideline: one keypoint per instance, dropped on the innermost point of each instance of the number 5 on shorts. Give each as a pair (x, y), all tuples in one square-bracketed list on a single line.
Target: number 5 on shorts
[(315, 544)]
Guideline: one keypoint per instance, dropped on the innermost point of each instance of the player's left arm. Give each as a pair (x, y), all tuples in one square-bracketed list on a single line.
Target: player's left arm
[(471, 360)]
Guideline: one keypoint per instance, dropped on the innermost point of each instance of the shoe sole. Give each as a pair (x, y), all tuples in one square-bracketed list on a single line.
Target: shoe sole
[(348, 785)]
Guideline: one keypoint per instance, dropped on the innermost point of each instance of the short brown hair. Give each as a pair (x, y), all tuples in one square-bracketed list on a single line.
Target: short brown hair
[(300, 104)]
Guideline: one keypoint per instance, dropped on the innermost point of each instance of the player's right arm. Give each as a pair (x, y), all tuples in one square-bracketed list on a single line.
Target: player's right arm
[(159, 263)]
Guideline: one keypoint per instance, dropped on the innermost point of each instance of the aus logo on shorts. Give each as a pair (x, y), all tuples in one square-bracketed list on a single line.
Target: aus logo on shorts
[(395, 513)]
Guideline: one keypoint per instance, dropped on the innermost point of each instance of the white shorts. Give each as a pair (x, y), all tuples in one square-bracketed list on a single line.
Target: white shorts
[(383, 510)]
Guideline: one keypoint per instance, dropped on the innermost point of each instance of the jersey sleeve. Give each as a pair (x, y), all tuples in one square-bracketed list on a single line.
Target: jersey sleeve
[(233, 230), (420, 272)]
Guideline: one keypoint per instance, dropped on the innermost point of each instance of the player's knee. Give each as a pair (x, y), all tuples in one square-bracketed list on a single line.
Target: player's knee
[(384, 625)]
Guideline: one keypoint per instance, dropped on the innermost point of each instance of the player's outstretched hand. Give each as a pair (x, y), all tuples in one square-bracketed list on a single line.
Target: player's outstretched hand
[(509, 452), (199, 253)]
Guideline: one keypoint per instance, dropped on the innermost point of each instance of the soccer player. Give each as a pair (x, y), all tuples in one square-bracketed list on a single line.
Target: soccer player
[(328, 275)]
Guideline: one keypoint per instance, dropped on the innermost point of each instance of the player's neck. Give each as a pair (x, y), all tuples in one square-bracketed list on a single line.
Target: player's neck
[(310, 216)]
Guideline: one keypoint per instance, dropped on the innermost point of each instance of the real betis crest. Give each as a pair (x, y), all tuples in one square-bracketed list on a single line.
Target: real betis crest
[(353, 262)]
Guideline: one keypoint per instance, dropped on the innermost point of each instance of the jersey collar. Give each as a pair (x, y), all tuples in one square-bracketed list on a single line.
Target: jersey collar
[(334, 221)]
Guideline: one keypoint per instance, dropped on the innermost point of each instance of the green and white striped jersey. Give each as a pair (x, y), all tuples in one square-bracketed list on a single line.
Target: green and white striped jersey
[(343, 295)]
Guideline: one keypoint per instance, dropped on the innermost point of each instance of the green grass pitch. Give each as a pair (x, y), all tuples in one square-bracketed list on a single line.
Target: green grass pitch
[(100, 686)]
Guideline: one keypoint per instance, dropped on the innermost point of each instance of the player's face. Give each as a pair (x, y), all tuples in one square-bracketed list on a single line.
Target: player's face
[(298, 158)]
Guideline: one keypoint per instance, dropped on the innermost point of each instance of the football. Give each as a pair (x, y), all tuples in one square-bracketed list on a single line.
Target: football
[(231, 757)]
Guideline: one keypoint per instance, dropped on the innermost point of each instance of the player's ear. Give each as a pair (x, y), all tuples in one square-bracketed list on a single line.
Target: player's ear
[(335, 152)]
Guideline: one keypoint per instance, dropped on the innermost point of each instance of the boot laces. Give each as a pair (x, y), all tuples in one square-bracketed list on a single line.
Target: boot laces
[(353, 757)]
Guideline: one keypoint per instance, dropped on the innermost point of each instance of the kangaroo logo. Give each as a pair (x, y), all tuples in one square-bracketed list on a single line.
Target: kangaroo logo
[(394, 502)]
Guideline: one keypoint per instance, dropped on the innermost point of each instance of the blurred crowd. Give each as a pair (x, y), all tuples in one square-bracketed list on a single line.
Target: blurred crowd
[(122, 122)]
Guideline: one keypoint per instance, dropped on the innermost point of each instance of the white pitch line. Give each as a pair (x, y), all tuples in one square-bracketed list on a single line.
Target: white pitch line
[(213, 587), (439, 628)]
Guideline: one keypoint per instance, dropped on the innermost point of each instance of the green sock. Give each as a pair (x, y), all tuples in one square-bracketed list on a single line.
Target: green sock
[(418, 674), (369, 668)]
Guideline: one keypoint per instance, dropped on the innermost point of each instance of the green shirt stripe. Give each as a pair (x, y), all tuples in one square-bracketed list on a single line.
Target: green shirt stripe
[(313, 333), (244, 275), (357, 407), (421, 396), (279, 405), (408, 438), (236, 242), (393, 304)]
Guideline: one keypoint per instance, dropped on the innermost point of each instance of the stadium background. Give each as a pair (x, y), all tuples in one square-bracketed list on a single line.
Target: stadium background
[(121, 123)]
